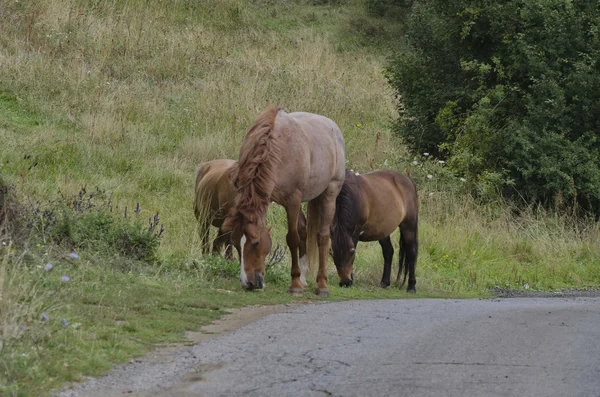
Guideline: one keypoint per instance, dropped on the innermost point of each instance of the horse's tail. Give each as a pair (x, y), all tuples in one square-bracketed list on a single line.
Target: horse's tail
[(313, 223), (402, 261), (200, 196)]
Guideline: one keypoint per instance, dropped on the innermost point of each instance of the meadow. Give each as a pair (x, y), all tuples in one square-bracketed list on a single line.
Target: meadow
[(130, 97)]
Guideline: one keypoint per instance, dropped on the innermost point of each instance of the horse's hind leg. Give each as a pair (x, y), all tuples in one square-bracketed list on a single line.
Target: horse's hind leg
[(388, 253), (409, 245), (327, 204), (302, 261)]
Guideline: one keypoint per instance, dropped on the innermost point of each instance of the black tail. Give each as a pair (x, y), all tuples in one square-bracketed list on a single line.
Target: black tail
[(402, 261)]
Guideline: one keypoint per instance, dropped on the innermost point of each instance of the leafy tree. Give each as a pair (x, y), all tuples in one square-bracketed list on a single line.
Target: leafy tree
[(508, 92)]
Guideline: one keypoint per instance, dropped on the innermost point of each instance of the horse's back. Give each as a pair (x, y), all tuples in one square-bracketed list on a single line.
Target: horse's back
[(314, 154), (213, 191), (389, 197)]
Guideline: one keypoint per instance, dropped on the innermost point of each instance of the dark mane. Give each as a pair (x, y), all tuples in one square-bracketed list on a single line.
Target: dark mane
[(254, 175), (346, 210)]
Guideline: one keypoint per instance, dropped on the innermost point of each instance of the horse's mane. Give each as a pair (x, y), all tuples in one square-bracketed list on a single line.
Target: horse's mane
[(346, 210), (254, 175)]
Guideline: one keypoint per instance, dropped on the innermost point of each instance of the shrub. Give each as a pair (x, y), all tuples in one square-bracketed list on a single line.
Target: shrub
[(504, 91), (89, 221)]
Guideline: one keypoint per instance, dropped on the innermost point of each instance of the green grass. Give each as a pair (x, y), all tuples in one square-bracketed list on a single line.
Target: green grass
[(132, 97)]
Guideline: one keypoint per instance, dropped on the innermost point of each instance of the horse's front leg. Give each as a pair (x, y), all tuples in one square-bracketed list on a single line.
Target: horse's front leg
[(293, 242), (205, 237), (223, 238), (229, 247)]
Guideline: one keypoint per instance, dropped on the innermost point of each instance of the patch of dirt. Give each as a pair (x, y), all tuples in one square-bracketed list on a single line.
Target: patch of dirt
[(567, 293), (237, 318)]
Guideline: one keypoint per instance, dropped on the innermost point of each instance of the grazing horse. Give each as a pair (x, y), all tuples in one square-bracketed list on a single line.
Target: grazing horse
[(287, 158), (215, 196), (368, 208), (214, 199)]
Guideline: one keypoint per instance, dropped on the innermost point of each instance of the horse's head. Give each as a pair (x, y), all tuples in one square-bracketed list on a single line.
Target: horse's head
[(345, 229), (343, 250), (253, 243)]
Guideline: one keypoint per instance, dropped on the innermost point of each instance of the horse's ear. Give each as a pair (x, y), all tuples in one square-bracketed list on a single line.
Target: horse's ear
[(227, 225)]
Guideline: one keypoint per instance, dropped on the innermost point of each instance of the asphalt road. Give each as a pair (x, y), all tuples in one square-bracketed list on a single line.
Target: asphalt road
[(414, 347)]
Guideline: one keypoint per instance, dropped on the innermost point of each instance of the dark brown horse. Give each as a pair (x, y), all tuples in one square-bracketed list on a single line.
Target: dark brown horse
[(289, 159), (369, 208)]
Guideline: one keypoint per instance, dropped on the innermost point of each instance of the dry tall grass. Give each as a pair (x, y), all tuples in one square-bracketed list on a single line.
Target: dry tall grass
[(149, 92)]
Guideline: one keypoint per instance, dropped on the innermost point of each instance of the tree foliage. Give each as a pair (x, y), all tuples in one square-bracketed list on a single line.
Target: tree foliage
[(508, 92)]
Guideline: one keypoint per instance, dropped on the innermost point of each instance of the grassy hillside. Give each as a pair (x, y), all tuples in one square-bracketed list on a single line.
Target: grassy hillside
[(132, 96)]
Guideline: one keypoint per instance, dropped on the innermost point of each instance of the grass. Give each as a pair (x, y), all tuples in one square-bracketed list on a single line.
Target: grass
[(133, 96)]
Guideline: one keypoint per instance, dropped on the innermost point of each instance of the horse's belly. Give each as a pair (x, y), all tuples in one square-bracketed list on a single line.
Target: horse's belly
[(377, 231), (313, 157)]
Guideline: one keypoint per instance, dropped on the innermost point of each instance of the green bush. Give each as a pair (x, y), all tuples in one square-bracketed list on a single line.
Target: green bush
[(388, 8), (507, 92)]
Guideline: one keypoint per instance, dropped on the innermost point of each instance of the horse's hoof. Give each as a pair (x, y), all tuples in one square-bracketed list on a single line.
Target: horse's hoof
[(412, 290), (384, 285), (295, 291), (322, 292)]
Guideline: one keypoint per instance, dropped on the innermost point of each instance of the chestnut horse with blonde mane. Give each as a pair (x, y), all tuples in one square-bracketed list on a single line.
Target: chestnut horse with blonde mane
[(213, 200), (287, 158)]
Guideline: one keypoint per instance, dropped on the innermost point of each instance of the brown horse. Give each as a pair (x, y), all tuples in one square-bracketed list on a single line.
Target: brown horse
[(214, 198), (370, 207), (289, 159)]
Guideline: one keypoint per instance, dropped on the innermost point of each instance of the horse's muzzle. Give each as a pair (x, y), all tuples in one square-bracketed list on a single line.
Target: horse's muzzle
[(347, 283), (258, 283)]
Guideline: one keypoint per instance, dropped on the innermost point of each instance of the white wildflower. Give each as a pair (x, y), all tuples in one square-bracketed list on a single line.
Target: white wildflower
[(429, 176), (442, 162), (425, 154), (415, 162), (463, 180)]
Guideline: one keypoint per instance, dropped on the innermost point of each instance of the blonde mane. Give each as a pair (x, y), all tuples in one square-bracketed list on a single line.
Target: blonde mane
[(254, 176)]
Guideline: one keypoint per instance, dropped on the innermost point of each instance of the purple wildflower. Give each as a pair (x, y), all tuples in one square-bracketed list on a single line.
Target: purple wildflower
[(162, 229), (48, 267), (137, 208), (74, 255), (45, 316), (66, 279), (65, 322), (125, 213)]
